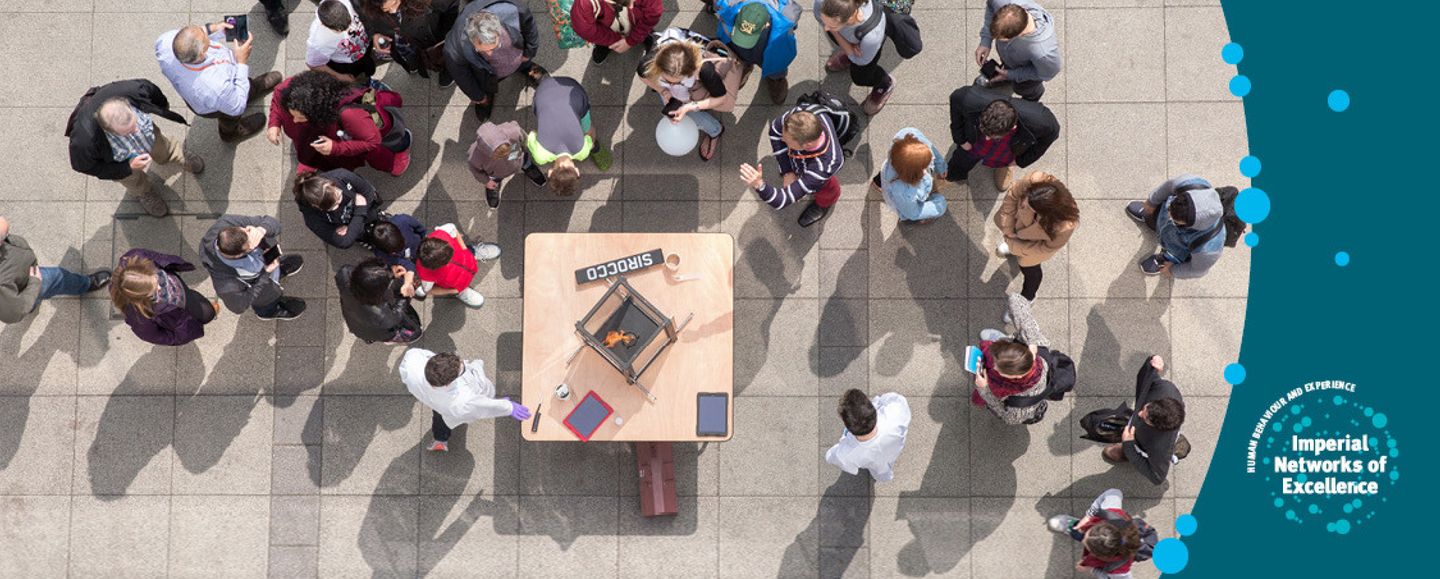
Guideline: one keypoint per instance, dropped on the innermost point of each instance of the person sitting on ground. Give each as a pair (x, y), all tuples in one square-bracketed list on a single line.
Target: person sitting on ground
[(113, 136), (874, 434), (396, 241), (563, 135), (1151, 440), (908, 181), (233, 251), (809, 155), (614, 25), (497, 153), (857, 29), (337, 205), (457, 392), (492, 40), (157, 304), (332, 126), (338, 45), (374, 308), (211, 75), (1012, 366), (1109, 537), (24, 283), (1036, 219), (1188, 217), (447, 266), (693, 80), (998, 131), (761, 33), (1024, 37)]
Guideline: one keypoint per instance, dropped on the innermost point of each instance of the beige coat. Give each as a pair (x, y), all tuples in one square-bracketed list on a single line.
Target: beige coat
[(1028, 241)]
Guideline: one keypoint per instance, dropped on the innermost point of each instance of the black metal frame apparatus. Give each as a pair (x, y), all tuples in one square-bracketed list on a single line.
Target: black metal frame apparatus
[(625, 310)]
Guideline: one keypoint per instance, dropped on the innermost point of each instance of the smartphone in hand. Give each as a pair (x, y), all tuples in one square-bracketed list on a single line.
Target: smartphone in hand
[(239, 30), (272, 254), (989, 69)]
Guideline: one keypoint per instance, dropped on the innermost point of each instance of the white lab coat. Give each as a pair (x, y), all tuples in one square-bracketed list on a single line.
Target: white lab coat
[(469, 398), (878, 454)]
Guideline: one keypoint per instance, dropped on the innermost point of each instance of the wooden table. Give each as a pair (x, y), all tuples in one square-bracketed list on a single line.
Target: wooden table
[(700, 361)]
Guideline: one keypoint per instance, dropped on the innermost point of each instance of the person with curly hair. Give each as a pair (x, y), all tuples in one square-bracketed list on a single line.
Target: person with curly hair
[(332, 127)]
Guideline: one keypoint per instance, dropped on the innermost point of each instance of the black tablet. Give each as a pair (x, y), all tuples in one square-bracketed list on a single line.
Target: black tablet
[(712, 414)]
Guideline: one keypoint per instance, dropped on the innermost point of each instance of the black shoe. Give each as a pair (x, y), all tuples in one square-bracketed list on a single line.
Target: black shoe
[(290, 308), (1136, 211), (813, 214), (444, 79), (279, 21), (99, 280), (600, 53), (1152, 265), (291, 264), (482, 111), (535, 175), (492, 194)]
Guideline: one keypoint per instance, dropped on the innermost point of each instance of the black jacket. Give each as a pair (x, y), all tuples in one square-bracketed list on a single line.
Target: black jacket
[(472, 73), (1038, 127), (417, 33), (375, 323), (1157, 445), (326, 224), (237, 293), (89, 149)]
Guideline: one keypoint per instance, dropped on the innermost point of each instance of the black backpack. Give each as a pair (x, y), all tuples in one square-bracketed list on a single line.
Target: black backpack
[(1234, 226), (1148, 537), (840, 115), (1059, 379), (1106, 424)]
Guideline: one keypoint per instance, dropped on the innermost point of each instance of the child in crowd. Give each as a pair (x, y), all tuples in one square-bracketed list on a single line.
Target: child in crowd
[(447, 266)]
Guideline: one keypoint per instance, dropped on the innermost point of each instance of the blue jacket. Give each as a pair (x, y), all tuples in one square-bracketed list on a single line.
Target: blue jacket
[(914, 202), (1176, 240), (780, 49)]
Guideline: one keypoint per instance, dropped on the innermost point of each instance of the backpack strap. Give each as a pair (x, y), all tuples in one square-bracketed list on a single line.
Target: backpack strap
[(877, 13)]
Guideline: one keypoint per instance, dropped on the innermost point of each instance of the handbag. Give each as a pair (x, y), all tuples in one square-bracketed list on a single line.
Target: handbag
[(899, 6), (904, 32)]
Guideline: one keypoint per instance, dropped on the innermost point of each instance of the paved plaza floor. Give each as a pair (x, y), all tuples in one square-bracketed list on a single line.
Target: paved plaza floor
[(291, 449)]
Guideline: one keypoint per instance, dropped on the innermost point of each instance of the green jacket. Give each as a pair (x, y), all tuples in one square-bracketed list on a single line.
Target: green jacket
[(18, 290)]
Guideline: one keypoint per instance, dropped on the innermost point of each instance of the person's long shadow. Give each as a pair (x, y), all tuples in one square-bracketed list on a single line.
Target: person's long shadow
[(850, 516), (390, 532), (943, 530), (338, 459), (125, 440), (25, 371)]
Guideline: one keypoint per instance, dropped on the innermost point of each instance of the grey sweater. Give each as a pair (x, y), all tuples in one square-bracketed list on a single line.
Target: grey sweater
[(1034, 56)]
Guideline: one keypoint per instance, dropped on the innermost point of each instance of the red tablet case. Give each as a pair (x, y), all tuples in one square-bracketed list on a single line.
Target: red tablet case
[(608, 412)]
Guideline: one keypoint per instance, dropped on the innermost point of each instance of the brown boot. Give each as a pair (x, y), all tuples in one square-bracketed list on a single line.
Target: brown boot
[(263, 84), (194, 164), (1002, 178), (779, 89), (153, 203), (248, 126)]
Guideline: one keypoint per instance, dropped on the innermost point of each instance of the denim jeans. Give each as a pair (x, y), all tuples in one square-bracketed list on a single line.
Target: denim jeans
[(703, 119), (59, 282)]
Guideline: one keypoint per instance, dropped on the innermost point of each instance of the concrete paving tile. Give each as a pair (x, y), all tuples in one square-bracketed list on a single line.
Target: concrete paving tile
[(769, 537), (37, 426), (295, 470), (294, 562), (127, 536), (57, 6), (54, 230), (937, 457), (300, 370), (252, 170), (371, 445), (356, 368), (849, 224), (451, 179), (1203, 418), (571, 535), (44, 349), (670, 216), (916, 346), (368, 535), (295, 521), (219, 536), (776, 257), (41, 165), (1092, 475), (574, 216), (24, 41), (223, 445), (916, 78), (474, 334), (501, 277), (130, 31), (776, 347), (773, 450), (1104, 67), (845, 562), (243, 365), (697, 471), (309, 330), (844, 322), (1002, 527), (842, 369), (1193, 68), (683, 545), (1021, 461), (912, 536), (918, 261), (1127, 166), (36, 535), (569, 469), (1209, 331), (1112, 338), (483, 459), (124, 442), (468, 536), (844, 273), (1203, 138), (1104, 254)]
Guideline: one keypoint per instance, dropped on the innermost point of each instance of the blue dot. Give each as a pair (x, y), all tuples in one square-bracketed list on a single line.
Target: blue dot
[(1314, 509), (1339, 100), (1252, 205), (1369, 411), (1252, 239), (1394, 476), (1330, 527), (1301, 477), (1240, 85), (1290, 515), (1394, 453), (1380, 420), (1342, 526), (1171, 555), (1356, 503), (1390, 443), (1235, 373), (1186, 524), (1306, 421), (1348, 508), (1265, 460), (1342, 258), (1279, 502), (1232, 53), (1277, 427), (1250, 166), (1295, 410), (1339, 400)]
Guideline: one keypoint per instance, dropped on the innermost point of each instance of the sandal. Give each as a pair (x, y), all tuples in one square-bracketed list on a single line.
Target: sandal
[(708, 146)]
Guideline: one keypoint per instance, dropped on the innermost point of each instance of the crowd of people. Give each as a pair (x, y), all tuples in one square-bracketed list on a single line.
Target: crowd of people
[(341, 121)]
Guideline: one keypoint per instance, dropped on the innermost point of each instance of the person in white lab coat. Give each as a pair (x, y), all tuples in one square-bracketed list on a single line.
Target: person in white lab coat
[(874, 434), (455, 390)]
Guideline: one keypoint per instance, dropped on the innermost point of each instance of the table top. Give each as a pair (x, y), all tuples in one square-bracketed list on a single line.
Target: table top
[(701, 360)]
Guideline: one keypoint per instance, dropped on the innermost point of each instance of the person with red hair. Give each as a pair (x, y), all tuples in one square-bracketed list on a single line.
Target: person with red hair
[(907, 181)]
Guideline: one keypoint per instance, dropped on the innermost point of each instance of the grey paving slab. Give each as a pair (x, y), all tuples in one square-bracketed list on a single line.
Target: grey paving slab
[(769, 536), (774, 256), (296, 562), (484, 459), (36, 535), (219, 536), (33, 168), (904, 256), (26, 42), (126, 536), (243, 365), (1002, 527), (294, 521), (1105, 253), (1205, 332), (670, 216), (1113, 338), (683, 545), (369, 535), (297, 419), (295, 470), (1021, 461), (372, 445), (38, 427), (776, 346), (571, 535), (773, 449), (842, 369), (937, 461), (1194, 70), (468, 535), (916, 345), (222, 445), (122, 445), (1126, 166), (913, 536), (564, 469), (1102, 66), (44, 349)]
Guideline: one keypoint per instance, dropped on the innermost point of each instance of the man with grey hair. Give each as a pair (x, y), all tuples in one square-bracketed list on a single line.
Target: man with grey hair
[(491, 40), (113, 136), (212, 75)]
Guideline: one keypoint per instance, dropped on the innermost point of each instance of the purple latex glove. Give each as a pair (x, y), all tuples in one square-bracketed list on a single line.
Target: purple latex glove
[(518, 411)]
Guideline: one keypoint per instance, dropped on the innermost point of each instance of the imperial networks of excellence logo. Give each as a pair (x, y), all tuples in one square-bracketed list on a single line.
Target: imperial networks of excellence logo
[(1326, 457)]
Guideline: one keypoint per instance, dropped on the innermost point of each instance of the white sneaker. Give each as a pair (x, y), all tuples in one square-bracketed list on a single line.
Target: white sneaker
[(1061, 523), (471, 298), (1003, 249), (485, 251), (989, 335)]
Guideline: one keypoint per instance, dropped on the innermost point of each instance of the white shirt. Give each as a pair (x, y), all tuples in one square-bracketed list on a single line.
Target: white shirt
[(879, 453), (469, 398), (216, 85), (325, 45)]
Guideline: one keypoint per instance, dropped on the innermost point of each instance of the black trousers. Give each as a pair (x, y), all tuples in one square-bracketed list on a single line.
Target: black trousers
[(365, 67), (1032, 275), (438, 427), (273, 5), (870, 74), (198, 306)]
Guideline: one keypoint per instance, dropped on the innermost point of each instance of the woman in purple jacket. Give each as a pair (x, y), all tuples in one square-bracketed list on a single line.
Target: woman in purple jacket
[(157, 304)]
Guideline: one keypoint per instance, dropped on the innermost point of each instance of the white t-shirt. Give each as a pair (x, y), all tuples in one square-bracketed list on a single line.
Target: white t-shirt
[(878, 454), (326, 45)]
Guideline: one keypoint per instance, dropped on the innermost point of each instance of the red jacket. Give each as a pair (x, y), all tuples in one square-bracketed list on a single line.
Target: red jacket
[(455, 275), (361, 135), (644, 15)]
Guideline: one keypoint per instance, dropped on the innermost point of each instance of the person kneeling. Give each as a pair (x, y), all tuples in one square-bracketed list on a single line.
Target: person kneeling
[(448, 267)]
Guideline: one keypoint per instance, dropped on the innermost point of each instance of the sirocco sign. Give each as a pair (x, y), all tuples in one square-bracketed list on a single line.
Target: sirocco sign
[(616, 267)]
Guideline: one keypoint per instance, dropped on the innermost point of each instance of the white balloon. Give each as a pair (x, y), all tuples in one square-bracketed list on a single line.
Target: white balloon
[(677, 139)]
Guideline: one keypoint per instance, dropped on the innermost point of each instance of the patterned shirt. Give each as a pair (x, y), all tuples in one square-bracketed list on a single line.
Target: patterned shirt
[(812, 168), (995, 152), (169, 291), (126, 147)]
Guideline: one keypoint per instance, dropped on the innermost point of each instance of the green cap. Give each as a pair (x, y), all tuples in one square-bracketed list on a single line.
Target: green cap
[(750, 23)]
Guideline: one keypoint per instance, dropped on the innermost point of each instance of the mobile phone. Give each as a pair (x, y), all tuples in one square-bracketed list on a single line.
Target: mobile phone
[(239, 30), (972, 359), (989, 69), (535, 423), (272, 254)]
